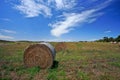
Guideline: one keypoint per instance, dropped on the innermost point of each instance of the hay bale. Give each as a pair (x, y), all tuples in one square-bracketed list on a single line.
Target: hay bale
[(61, 46), (41, 55)]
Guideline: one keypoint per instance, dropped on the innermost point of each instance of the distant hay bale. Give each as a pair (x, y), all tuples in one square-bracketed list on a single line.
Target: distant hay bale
[(41, 55), (61, 46)]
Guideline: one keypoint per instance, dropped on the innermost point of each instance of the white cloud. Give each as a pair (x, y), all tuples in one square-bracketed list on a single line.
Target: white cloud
[(8, 31), (70, 20), (92, 20), (31, 8), (108, 31), (5, 37), (65, 4), (67, 21), (5, 19), (61, 4)]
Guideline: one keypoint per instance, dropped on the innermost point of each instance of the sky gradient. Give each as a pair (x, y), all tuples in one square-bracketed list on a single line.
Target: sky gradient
[(59, 20)]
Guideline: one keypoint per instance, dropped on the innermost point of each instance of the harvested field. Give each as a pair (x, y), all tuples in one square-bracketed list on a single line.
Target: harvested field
[(61, 46), (82, 61)]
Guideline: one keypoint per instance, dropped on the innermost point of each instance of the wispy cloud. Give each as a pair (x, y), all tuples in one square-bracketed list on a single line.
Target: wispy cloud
[(108, 31), (5, 37), (59, 4), (5, 19), (8, 31), (72, 14), (31, 8), (70, 20), (65, 4)]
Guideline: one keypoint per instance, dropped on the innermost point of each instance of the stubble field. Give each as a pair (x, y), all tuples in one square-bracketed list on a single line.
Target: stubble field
[(80, 61)]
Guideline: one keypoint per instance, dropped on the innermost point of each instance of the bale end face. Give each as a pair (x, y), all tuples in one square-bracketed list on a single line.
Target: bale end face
[(38, 55)]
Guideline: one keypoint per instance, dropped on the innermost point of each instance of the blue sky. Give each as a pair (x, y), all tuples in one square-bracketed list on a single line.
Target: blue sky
[(59, 20)]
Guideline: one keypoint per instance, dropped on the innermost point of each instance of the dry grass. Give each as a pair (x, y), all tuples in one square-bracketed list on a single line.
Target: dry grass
[(61, 46), (81, 61)]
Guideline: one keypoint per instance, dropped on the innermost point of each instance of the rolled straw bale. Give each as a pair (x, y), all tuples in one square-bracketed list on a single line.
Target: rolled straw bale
[(41, 55), (61, 46)]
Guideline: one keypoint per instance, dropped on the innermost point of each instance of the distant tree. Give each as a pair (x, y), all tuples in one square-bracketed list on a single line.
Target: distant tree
[(118, 39), (111, 39), (105, 39)]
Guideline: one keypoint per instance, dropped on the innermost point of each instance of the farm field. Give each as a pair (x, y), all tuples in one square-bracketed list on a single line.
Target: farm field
[(80, 61)]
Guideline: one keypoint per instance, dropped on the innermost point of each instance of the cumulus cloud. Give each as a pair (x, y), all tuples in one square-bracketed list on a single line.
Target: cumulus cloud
[(31, 8), (70, 20), (8, 31)]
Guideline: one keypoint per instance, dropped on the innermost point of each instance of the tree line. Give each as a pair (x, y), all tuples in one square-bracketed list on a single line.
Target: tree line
[(109, 39)]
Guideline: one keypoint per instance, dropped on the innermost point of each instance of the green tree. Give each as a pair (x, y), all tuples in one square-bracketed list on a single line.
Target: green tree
[(118, 39), (111, 39), (105, 39)]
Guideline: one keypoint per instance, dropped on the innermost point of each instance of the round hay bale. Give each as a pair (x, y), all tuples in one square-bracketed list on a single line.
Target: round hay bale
[(61, 46), (41, 55)]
